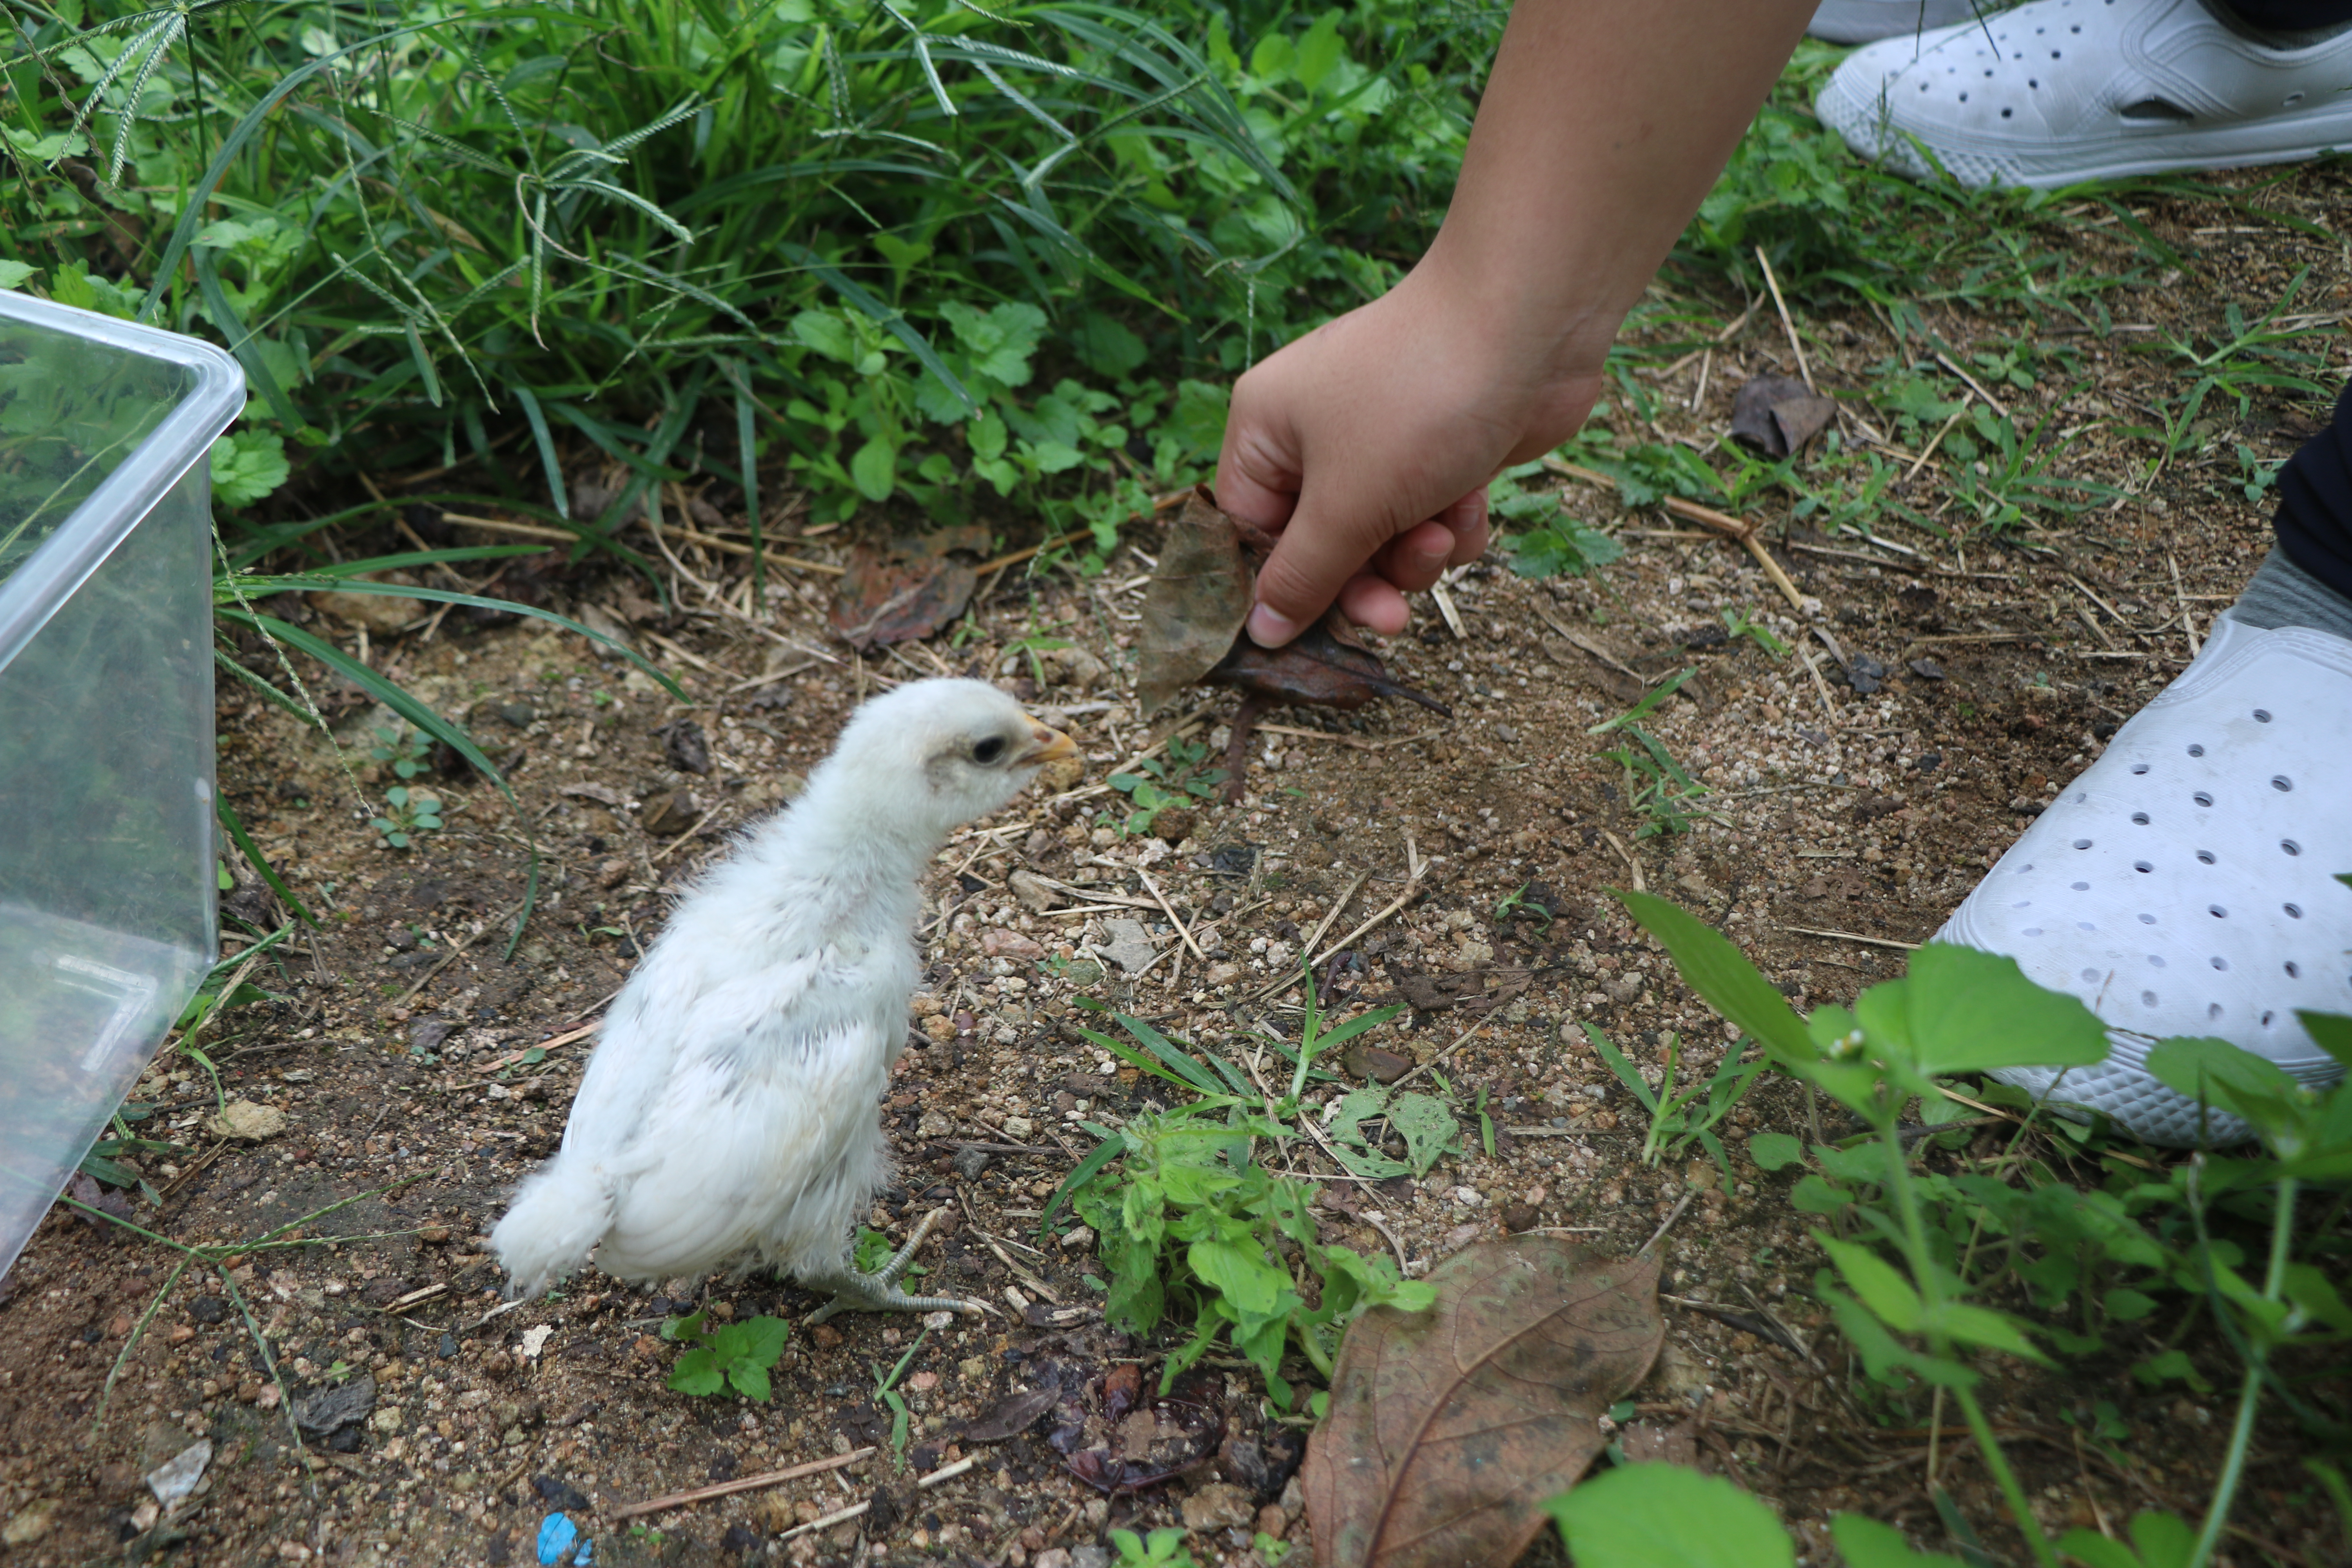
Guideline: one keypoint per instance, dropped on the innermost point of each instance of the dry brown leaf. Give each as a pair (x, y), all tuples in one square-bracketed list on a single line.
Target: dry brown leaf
[(1198, 598), (1194, 613), (1777, 415), (1323, 667), (1479, 991), (1011, 1416), (1449, 1427), (897, 598)]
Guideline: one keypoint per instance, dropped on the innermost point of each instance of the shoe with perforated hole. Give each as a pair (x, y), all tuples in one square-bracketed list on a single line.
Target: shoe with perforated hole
[(2063, 91), (1867, 21), (2188, 882)]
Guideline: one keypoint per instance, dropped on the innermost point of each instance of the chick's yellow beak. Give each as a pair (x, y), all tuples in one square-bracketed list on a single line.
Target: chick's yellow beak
[(1047, 744)]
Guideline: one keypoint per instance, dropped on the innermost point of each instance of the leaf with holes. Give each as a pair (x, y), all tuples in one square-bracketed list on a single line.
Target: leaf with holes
[(1449, 1428), (1427, 1127), (1193, 608)]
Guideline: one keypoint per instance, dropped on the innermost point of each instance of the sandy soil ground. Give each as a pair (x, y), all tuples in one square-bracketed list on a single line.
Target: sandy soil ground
[(418, 1066)]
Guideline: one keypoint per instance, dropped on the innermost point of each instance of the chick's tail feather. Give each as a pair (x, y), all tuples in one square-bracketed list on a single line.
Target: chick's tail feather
[(559, 1214)]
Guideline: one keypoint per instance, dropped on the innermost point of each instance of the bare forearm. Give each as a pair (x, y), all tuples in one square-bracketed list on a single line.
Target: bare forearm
[(1369, 442), (1604, 124)]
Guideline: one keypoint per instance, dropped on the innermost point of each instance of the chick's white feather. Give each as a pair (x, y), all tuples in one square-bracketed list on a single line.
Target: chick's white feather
[(728, 1116)]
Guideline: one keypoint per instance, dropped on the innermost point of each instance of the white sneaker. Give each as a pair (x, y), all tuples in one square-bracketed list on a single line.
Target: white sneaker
[(2063, 91), (1867, 21), (2186, 884)]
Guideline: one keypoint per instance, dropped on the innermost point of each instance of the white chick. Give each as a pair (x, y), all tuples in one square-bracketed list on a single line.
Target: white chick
[(728, 1116)]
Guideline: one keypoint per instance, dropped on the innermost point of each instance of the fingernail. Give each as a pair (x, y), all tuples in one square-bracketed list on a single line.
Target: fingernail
[(1269, 629)]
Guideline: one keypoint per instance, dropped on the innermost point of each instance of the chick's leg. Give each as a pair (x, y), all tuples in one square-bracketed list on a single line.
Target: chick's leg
[(879, 1292)]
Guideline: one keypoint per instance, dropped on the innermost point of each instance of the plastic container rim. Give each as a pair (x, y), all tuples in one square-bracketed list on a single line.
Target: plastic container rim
[(53, 573)]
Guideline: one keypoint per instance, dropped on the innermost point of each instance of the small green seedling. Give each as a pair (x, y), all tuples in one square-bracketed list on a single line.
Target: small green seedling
[(1516, 903), (1165, 1549), (1174, 782), (1744, 624), (872, 1249), (1656, 786), (1031, 647), (1679, 1118), (737, 1354), (402, 750), (886, 1391), (1191, 1222)]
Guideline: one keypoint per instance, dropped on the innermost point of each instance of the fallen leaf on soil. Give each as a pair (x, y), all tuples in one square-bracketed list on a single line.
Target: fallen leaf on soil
[(83, 1191), (688, 747), (321, 1414), (1777, 415), (673, 811), (1449, 1427), (902, 594), (1196, 602), (1479, 991), (243, 1119), (1363, 1059), (1011, 1415), (176, 1477)]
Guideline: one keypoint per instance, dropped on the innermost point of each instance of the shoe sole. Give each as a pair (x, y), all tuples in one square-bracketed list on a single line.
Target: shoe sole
[(2313, 132)]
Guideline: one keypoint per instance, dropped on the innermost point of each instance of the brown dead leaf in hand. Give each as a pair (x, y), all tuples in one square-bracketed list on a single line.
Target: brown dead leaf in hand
[(906, 590), (1324, 666), (1196, 602), (1194, 613), (1449, 1427), (1777, 415)]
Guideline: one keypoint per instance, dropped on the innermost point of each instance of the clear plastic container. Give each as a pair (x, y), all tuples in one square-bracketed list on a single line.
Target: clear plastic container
[(106, 875)]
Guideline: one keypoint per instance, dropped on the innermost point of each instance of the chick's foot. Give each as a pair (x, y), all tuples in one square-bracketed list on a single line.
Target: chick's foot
[(855, 1291)]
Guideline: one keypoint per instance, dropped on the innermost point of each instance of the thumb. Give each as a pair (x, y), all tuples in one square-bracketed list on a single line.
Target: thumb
[(1314, 557)]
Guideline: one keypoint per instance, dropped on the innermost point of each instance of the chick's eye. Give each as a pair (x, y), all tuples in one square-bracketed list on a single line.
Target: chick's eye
[(988, 751)]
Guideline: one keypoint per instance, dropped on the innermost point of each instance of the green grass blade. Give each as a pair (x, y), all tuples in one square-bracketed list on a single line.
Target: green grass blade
[(550, 463), (1625, 1069), (197, 201), (1186, 1066), (252, 853), (747, 447), (1102, 1154), (306, 584), (241, 341)]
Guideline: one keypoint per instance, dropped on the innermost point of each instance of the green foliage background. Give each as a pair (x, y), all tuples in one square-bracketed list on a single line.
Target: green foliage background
[(908, 248)]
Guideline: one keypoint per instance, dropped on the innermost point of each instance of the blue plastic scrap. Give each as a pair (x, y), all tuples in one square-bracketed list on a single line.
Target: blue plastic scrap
[(559, 1538)]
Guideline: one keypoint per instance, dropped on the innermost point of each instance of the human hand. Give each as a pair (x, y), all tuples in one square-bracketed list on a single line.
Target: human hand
[(1366, 446)]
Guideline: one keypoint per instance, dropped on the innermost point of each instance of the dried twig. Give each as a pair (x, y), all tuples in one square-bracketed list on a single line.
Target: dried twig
[(1667, 1224), (1169, 910), (511, 1057), (2188, 621), (741, 1484), (1627, 855), (1804, 371), (944, 1473), (1853, 936)]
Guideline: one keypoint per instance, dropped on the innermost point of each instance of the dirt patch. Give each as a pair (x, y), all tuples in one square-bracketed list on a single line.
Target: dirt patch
[(416, 1062)]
